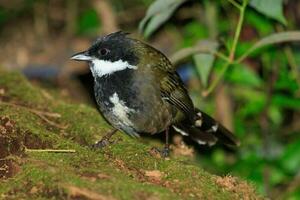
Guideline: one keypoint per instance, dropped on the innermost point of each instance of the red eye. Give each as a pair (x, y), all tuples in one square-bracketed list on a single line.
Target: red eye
[(103, 52)]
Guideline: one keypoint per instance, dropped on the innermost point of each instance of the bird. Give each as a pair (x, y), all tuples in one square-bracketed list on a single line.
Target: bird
[(138, 91)]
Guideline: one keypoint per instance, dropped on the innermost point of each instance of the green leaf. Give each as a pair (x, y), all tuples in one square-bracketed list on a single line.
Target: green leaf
[(243, 75), (290, 159), (253, 108), (277, 175), (286, 101), (192, 32), (288, 36), (285, 81), (294, 195), (88, 22), (254, 100), (275, 114), (262, 25), (204, 64), (270, 8), (204, 61), (158, 13)]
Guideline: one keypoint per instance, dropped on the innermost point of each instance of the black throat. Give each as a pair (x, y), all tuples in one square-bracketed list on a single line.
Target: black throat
[(119, 82)]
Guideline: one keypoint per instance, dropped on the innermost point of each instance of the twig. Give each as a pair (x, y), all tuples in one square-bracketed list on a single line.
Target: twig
[(292, 62), (189, 51), (186, 52), (71, 16), (40, 18), (106, 15), (224, 106), (238, 30), (238, 6), (265, 126), (232, 50), (40, 114), (222, 56), (217, 80), (211, 18), (48, 114), (51, 150)]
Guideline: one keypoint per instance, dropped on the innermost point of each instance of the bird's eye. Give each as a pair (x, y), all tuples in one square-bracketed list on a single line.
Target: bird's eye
[(103, 52)]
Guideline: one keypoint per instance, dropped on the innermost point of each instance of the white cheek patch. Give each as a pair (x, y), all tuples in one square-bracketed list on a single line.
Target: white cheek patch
[(103, 67)]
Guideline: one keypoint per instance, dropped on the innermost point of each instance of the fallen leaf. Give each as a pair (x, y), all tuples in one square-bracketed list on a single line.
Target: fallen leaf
[(154, 152), (154, 174), (180, 148), (79, 193), (236, 186), (227, 182), (103, 176), (91, 179), (2, 91), (33, 190), (145, 196)]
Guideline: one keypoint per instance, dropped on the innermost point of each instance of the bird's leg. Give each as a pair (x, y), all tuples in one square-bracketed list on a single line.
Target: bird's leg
[(162, 152), (166, 150), (105, 140)]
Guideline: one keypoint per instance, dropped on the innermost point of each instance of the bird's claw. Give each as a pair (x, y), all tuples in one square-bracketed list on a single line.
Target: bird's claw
[(101, 144), (105, 141), (163, 153)]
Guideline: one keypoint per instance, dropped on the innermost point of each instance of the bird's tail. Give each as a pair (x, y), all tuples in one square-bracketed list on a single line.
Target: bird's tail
[(207, 131)]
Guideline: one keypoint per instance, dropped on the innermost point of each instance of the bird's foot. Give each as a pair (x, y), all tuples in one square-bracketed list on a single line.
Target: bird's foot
[(165, 152), (105, 141), (162, 153), (102, 143)]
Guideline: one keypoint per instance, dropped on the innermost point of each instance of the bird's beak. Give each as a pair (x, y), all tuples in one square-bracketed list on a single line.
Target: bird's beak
[(82, 56)]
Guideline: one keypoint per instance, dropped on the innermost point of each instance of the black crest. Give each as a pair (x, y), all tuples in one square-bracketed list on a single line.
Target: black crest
[(117, 35), (113, 47)]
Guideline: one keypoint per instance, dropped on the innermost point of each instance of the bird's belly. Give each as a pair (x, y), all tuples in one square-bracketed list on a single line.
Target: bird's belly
[(117, 113), (132, 102), (148, 115)]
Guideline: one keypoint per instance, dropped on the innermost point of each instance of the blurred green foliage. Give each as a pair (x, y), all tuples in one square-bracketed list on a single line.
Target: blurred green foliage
[(264, 88), (88, 23)]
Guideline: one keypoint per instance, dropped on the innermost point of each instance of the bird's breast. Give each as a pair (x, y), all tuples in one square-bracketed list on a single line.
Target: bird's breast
[(131, 103)]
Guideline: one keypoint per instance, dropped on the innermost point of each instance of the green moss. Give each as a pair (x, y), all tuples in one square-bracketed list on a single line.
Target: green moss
[(16, 87), (116, 171)]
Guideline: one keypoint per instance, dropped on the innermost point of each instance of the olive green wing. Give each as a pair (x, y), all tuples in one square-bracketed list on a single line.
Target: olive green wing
[(173, 91), (171, 86)]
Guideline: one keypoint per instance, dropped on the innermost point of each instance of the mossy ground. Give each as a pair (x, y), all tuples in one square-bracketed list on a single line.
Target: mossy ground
[(30, 119)]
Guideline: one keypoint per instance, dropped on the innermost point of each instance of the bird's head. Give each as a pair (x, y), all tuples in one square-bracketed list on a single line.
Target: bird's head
[(111, 53)]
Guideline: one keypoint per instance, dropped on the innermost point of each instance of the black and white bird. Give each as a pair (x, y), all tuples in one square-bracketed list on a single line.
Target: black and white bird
[(139, 91)]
